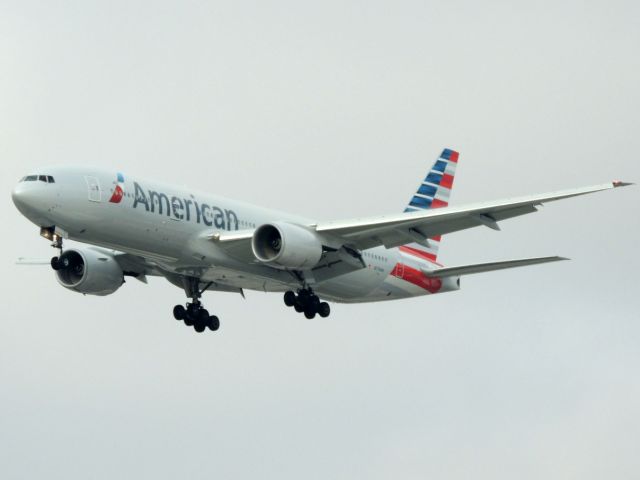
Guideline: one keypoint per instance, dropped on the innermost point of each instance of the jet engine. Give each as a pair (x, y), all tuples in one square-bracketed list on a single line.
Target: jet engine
[(285, 245), (88, 271)]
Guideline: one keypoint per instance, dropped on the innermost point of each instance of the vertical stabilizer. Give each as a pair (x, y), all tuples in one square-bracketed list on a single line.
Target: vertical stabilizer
[(433, 192)]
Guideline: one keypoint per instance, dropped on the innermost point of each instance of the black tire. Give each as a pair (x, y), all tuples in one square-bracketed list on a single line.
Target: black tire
[(199, 326), (179, 312), (203, 316), (193, 309), (298, 308), (214, 323), (303, 297), (314, 301), (324, 310), (188, 320), (289, 298), (55, 263), (310, 313)]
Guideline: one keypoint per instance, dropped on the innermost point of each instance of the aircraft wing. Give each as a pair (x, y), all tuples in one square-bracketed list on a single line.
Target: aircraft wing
[(395, 230)]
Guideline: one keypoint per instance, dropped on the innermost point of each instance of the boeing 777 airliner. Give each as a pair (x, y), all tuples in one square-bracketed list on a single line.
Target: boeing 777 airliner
[(134, 227)]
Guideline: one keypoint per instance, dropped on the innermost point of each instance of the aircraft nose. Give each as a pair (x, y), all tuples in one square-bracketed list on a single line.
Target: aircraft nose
[(22, 197), (30, 198)]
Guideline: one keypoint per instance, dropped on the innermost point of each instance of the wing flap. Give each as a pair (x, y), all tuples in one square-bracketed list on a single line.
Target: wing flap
[(489, 267)]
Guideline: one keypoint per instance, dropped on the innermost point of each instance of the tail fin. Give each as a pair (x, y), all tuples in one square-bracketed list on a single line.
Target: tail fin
[(433, 192)]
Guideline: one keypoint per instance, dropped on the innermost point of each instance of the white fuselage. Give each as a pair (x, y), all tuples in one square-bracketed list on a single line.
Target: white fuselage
[(171, 226)]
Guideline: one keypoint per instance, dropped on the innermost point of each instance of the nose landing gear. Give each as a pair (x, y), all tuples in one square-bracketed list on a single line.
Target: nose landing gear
[(56, 242), (307, 302)]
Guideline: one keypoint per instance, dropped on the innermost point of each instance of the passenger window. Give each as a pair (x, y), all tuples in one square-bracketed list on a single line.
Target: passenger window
[(50, 179)]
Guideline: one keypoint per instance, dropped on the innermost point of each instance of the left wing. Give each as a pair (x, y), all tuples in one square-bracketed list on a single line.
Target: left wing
[(396, 230)]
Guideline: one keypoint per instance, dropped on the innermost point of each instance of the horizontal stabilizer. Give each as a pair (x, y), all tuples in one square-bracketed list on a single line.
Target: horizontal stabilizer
[(488, 267)]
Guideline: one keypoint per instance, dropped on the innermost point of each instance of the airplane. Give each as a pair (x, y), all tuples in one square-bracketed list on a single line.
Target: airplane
[(134, 227)]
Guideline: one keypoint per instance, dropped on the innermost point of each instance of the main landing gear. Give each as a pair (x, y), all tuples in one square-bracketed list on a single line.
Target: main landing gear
[(307, 302), (194, 314)]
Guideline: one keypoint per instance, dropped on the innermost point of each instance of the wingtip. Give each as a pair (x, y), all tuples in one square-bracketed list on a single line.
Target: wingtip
[(619, 183)]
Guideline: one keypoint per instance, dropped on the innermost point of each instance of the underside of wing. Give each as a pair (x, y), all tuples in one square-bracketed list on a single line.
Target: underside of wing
[(235, 244), (137, 266), (333, 261)]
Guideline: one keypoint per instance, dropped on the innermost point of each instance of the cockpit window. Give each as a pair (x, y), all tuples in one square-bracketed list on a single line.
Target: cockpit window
[(34, 178)]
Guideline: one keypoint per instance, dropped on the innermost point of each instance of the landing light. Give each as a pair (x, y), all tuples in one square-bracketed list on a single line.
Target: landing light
[(47, 232), (50, 234)]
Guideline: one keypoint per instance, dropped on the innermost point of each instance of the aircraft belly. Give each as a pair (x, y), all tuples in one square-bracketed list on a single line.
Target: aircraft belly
[(352, 287), (239, 279)]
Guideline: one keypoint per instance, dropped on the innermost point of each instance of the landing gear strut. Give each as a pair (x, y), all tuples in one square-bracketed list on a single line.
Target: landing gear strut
[(307, 302), (56, 242), (194, 314)]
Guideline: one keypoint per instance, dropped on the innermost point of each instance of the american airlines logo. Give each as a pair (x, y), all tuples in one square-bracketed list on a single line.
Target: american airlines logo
[(118, 191), (184, 209)]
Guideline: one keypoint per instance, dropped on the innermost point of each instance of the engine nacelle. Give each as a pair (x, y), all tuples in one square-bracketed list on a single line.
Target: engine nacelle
[(286, 245), (88, 271)]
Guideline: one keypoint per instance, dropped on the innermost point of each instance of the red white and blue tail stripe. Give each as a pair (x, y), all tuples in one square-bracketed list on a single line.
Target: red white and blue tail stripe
[(433, 192)]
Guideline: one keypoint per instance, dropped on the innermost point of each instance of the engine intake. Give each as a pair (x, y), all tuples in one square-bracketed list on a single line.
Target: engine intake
[(286, 245), (88, 271)]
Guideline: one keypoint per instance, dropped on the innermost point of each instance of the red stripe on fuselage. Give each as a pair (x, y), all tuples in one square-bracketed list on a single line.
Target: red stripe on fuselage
[(454, 157), (438, 203), (430, 257), (416, 277)]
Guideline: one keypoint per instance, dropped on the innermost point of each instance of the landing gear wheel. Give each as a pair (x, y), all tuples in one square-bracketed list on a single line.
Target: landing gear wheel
[(308, 303), (324, 309), (55, 263), (201, 320), (191, 314), (179, 312), (214, 323), (314, 302), (303, 297), (289, 298)]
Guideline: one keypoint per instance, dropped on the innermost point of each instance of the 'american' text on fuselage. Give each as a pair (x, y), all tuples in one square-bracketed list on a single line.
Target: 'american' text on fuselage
[(182, 208)]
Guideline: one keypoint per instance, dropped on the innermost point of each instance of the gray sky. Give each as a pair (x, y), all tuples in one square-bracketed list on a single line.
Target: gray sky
[(332, 109)]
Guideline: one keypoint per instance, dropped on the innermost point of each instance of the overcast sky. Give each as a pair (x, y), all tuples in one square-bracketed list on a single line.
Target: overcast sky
[(332, 109)]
